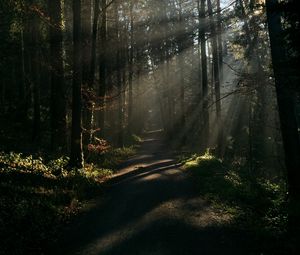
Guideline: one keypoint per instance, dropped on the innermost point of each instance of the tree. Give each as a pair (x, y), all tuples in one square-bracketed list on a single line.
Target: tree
[(34, 54), (204, 81), (86, 32), (119, 76), (286, 106), (76, 157), (102, 64), (130, 75), (216, 72), (58, 91), (94, 42)]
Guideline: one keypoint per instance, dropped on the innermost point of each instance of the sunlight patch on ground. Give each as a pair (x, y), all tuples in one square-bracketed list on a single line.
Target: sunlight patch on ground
[(143, 166)]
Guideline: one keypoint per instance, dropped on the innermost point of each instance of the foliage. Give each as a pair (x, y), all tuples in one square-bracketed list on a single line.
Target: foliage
[(110, 158), (257, 204), (38, 197)]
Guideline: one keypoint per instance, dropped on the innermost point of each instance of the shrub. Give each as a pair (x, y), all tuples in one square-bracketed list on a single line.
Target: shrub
[(255, 202)]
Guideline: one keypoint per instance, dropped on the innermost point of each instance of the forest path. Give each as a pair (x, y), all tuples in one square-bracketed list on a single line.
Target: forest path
[(151, 207)]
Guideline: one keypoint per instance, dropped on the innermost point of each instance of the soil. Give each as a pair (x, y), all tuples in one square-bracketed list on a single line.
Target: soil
[(151, 207)]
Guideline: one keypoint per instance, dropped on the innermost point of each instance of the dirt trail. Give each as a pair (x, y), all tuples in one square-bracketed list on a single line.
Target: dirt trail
[(150, 207)]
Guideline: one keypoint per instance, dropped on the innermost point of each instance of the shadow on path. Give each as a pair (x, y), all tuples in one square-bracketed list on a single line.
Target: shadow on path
[(150, 207)]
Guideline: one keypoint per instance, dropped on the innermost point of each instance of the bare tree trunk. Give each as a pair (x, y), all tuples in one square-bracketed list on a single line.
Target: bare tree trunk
[(204, 83), (119, 78), (86, 39), (219, 39), (58, 91), (23, 109), (130, 99), (215, 59), (94, 42), (102, 65), (181, 64), (216, 79), (34, 52), (286, 106), (76, 157)]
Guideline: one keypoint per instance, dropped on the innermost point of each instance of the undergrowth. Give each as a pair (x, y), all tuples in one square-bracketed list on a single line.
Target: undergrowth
[(255, 203), (37, 197), (110, 158)]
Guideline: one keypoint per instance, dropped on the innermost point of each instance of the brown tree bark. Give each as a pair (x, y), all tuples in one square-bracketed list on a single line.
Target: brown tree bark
[(86, 39), (119, 78), (219, 39), (130, 75), (34, 54), (58, 91), (204, 81), (286, 107), (102, 65), (94, 42), (216, 73), (76, 157)]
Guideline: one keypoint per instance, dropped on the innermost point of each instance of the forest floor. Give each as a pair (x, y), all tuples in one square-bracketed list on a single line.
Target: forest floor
[(150, 206)]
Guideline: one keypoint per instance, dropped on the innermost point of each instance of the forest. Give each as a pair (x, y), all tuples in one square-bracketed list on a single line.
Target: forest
[(149, 127)]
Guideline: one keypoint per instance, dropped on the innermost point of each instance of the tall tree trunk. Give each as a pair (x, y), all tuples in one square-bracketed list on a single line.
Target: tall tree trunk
[(2, 95), (181, 66), (86, 39), (94, 42), (130, 78), (22, 69), (216, 78), (219, 39), (76, 157), (204, 81), (34, 52), (102, 65), (27, 40), (286, 106), (88, 105), (215, 58), (58, 91), (119, 78), (23, 85)]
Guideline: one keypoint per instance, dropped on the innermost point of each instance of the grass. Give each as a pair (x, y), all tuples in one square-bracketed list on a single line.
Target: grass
[(255, 204), (38, 197), (111, 158)]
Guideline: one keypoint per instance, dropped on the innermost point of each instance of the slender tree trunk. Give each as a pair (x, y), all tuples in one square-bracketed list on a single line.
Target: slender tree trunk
[(119, 78), (216, 79), (168, 93), (286, 106), (86, 40), (34, 52), (102, 65), (204, 83), (27, 66), (88, 105), (2, 95), (215, 59), (23, 84), (219, 39), (94, 42), (130, 76), (76, 157), (181, 66), (58, 91)]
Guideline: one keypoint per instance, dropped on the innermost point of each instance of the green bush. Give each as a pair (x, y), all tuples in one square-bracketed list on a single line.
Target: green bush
[(111, 158), (253, 202), (37, 197)]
